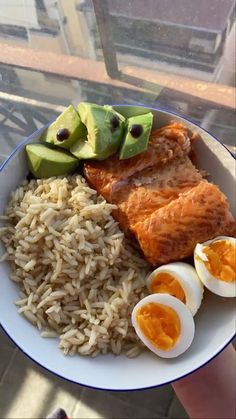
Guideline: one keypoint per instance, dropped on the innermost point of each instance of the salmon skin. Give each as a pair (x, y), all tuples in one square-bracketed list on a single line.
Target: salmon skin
[(162, 199)]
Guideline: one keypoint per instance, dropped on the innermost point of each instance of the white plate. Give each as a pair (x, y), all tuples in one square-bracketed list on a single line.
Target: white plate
[(215, 321)]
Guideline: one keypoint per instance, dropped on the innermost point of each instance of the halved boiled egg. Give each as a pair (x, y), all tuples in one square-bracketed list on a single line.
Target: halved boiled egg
[(164, 324), (180, 280), (215, 263)]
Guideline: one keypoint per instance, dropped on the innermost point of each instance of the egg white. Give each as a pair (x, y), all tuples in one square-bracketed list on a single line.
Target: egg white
[(187, 327), (187, 277), (215, 285)]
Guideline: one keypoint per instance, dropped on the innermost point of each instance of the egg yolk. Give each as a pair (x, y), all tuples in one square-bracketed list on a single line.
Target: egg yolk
[(160, 324), (221, 260), (166, 283)]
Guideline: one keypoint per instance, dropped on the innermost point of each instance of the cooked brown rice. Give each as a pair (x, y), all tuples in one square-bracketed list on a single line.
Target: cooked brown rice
[(79, 276)]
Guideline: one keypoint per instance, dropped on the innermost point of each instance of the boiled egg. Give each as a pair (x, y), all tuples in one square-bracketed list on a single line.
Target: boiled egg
[(180, 280), (164, 324), (215, 263)]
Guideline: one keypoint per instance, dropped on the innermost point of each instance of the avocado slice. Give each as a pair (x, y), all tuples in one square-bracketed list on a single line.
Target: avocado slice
[(45, 162), (136, 140), (83, 150), (65, 130), (105, 128)]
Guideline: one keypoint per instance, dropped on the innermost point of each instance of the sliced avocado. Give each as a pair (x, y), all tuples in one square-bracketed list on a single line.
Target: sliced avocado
[(45, 162), (65, 130), (136, 140), (83, 150), (105, 128)]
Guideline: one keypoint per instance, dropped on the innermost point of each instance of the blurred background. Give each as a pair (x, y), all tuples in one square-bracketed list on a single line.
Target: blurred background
[(176, 55)]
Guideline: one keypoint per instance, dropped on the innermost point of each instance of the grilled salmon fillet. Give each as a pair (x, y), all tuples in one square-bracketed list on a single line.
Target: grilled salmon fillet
[(162, 199), (152, 188), (164, 145), (171, 233)]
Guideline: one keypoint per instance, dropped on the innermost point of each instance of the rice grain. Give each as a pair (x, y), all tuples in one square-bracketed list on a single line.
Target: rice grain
[(79, 275)]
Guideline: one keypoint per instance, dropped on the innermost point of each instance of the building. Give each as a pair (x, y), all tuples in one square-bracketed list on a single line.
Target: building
[(185, 37)]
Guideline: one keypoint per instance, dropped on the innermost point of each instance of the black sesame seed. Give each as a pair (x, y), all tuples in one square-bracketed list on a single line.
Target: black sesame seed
[(115, 122), (136, 130), (58, 414), (63, 134), (29, 177)]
